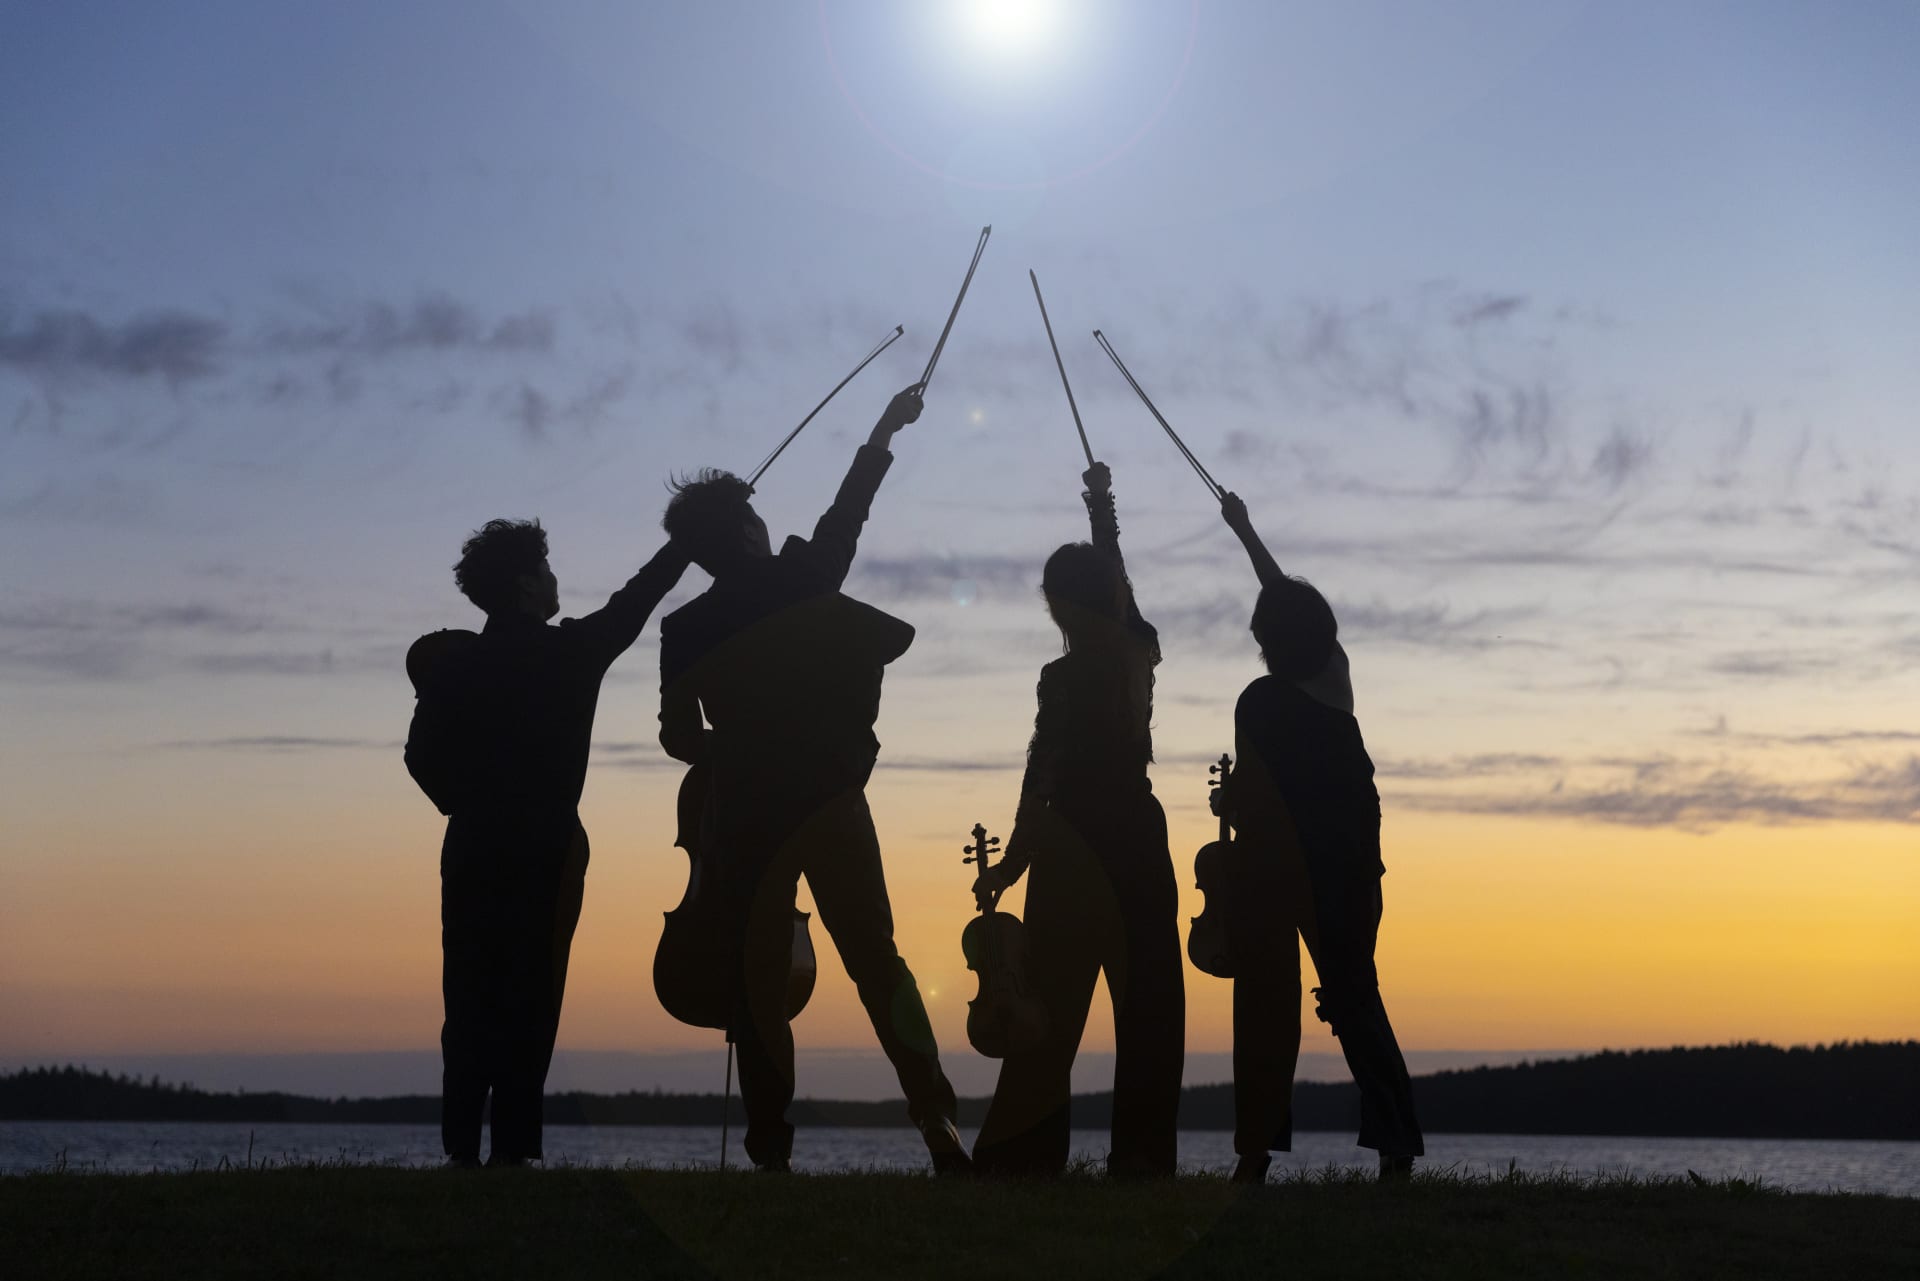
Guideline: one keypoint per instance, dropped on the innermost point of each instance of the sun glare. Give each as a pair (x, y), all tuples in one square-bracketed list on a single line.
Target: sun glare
[(1009, 28)]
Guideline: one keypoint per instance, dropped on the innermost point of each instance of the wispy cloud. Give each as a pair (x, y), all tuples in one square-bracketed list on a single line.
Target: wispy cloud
[(278, 743), (268, 663), (537, 413), (93, 640), (1479, 765), (94, 498), (87, 659), (936, 576), (1658, 791), (433, 322), (1774, 664), (70, 617), (175, 346)]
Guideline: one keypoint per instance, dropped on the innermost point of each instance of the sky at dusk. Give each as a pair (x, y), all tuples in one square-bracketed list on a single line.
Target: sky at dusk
[(1571, 348)]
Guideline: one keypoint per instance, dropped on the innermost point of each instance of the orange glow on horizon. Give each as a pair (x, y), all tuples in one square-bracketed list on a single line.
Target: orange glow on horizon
[(258, 927)]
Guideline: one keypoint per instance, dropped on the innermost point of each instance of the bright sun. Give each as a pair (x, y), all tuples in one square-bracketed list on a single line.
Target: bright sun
[(1009, 27)]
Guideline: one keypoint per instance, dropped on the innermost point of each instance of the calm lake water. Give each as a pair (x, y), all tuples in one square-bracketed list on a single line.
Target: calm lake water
[(1803, 1165)]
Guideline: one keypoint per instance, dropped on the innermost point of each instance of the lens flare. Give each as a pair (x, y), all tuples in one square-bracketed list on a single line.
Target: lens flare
[(1009, 28)]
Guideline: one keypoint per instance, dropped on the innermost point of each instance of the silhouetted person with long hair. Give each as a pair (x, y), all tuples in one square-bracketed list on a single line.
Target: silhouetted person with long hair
[(1101, 894), (1304, 801), (499, 744), (786, 670)]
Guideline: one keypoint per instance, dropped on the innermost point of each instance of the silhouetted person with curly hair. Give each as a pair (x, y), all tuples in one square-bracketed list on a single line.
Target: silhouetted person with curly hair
[(499, 744), (786, 672), (1101, 895), (1308, 814)]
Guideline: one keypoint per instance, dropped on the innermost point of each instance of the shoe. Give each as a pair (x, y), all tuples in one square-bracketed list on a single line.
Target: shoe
[(1395, 1169), (462, 1163), (773, 1165), (509, 1162), (1252, 1168)]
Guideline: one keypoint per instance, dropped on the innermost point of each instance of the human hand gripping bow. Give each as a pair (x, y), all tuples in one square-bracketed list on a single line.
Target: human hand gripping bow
[(1234, 511), (901, 411)]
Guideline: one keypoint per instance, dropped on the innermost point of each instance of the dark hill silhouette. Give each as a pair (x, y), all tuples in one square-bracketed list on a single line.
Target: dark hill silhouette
[(1849, 1090)]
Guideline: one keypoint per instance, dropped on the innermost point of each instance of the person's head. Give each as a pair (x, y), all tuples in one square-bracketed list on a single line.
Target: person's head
[(1295, 628), (503, 569), (1084, 590), (711, 515)]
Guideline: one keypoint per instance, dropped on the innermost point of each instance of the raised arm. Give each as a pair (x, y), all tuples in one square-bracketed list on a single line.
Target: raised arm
[(1105, 528), (611, 629), (837, 535), (1265, 567)]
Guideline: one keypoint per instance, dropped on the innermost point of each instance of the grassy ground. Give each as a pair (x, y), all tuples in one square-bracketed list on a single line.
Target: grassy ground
[(372, 1223)]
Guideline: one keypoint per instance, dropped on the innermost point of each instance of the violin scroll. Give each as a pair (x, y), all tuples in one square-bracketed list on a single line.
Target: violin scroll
[(982, 849)]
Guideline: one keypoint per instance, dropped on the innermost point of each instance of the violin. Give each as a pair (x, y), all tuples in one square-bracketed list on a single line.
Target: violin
[(1209, 940), (697, 966), (1005, 1018)]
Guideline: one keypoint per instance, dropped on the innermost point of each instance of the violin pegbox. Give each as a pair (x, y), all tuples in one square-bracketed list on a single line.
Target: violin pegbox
[(983, 847)]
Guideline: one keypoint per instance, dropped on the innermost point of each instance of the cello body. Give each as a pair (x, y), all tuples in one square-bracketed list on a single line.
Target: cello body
[(1004, 1017), (697, 965), (1215, 873)]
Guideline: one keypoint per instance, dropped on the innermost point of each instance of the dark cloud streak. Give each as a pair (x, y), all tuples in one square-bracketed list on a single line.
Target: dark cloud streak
[(431, 323), (176, 346)]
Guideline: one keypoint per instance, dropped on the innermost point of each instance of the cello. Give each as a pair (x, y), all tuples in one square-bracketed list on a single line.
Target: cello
[(1005, 1017), (1209, 940), (697, 965)]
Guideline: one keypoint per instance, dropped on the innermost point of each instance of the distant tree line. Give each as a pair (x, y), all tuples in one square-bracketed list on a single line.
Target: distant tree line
[(1849, 1090)]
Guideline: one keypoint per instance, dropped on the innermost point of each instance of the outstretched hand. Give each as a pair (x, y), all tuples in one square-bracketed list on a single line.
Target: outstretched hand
[(904, 408), (1234, 510), (1098, 479)]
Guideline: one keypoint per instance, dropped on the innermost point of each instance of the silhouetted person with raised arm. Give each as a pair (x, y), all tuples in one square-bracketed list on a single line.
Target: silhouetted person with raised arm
[(1304, 802), (499, 744), (1101, 893), (786, 671)]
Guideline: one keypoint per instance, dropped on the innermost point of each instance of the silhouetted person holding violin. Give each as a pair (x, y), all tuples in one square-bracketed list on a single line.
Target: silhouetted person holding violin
[(786, 670), (1304, 801), (499, 744), (1101, 895)]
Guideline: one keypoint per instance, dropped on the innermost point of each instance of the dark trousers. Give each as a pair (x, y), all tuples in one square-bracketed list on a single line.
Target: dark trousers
[(1336, 911), (1100, 896), (838, 852), (510, 892)]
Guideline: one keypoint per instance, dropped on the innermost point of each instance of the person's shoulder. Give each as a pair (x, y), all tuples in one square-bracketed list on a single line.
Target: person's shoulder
[(431, 653), (1262, 692)]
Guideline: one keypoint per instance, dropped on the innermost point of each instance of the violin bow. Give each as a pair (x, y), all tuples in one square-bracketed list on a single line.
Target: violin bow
[(767, 462), (1057, 364), (1212, 485), (940, 346)]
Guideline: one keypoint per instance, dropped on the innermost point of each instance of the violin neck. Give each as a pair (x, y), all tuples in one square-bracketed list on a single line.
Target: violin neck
[(1226, 827)]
